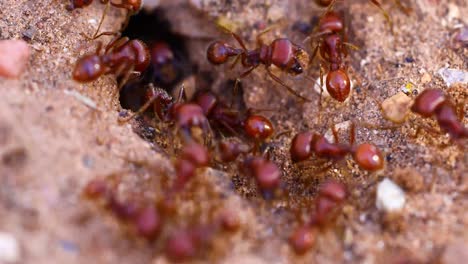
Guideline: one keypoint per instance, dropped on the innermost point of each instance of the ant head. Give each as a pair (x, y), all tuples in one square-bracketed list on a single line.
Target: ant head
[(218, 52), (333, 190), (338, 85), (428, 101), (301, 148), (331, 22), (189, 114), (88, 68), (161, 54), (136, 5)]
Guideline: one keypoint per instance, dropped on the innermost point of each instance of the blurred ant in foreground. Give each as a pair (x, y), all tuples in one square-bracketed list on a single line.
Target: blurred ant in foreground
[(331, 196), (132, 6), (282, 53), (122, 57)]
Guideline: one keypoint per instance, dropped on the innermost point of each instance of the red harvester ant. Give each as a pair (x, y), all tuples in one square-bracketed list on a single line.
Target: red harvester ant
[(330, 195), (366, 155), (121, 57), (332, 51), (282, 53), (434, 102), (185, 115), (253, 126)]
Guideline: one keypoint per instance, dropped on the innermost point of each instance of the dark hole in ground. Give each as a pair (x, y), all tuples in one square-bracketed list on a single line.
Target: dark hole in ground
[(169, 62)]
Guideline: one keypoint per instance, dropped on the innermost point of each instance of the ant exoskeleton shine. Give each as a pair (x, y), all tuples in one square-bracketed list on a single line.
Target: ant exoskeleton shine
[(366, 155), (282, 53), (121, 57), (432, 102), (333, 52)]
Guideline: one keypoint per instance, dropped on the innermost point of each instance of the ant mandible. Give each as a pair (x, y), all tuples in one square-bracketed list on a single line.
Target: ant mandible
[(282, 53), (121, 57)]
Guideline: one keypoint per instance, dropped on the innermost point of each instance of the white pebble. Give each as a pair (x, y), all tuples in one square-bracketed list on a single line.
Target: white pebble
[(452, 76), (390, 197), (9, 248)]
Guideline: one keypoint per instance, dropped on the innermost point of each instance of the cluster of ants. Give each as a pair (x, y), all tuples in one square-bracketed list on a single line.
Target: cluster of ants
[(201, 120)]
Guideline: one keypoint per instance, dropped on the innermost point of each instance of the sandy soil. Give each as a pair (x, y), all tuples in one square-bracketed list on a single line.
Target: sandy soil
[(53, 141)]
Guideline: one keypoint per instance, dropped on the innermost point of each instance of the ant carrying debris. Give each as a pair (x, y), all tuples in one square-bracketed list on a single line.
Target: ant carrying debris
[(121, 57), (282, 53)]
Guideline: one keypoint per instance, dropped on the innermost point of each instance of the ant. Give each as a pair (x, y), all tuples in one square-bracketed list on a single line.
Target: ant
[(253, 126), (132, 6), (366, 155), (145, 219), (282, 53), (330, 195), (121, 57), (185, 115), (265, 172), (434, 102), (192, 156), (332, 51)]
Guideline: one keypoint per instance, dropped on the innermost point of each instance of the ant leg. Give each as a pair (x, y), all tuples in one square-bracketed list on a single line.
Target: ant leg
[(385, 13), (116, 43), (291, 90), (142, 109), (181, 96), (352, 134), (245, 73), (335, 134), (404, 9), (236, 60), (240, 41), (320, 94), (104, 13), (259, 40)]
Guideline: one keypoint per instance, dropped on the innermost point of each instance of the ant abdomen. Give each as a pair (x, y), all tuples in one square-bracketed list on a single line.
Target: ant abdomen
[(219, 52), (88, 68), (338, 85)]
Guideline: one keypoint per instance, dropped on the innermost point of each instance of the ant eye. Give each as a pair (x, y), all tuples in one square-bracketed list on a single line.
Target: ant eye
[(296, 68)]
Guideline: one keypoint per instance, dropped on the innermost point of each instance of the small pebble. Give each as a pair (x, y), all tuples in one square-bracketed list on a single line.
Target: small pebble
[(452, 76), (14, 56), (396, 108), (426, 78), (9, 248), (390, 197)]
